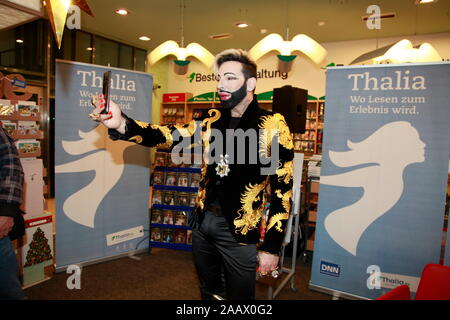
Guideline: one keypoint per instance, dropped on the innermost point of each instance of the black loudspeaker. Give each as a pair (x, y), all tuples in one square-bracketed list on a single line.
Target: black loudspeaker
[(291, 103)]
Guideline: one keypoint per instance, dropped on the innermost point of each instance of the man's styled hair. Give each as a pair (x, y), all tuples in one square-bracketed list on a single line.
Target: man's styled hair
[(239, 55)]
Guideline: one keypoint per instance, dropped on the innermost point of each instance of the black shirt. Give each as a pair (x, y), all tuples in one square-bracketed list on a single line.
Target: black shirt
[(219, 187)]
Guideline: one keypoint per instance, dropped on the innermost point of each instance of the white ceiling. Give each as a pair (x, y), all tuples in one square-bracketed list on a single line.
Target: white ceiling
[(161, 20)]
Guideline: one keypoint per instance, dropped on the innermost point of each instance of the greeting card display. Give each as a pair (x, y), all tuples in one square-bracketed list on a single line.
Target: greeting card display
[(33, 198), (27, 128), (9, 126), (28, 146), (37, 253), (26, 110)]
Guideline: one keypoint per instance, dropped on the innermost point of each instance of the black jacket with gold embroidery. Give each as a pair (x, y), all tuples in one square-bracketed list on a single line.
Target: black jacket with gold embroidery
[(267, 161)]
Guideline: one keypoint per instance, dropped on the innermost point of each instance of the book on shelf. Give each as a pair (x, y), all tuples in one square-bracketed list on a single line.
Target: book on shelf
[(157, 216), (158, 177), (167, 217), (189, 237), (180, 218), (171, 179), (314, 165), (157, 197), (155, 234), (167, 235), (180, 236)]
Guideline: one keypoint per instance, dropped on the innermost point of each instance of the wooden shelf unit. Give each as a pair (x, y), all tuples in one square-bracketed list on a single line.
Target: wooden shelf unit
[(310, 142)]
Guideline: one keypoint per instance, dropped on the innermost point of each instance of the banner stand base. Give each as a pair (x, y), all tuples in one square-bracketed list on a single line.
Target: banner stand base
[(335, 293), (130, 254)]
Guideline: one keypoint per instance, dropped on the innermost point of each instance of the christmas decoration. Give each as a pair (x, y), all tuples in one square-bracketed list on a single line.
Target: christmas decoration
[(57, 13), (39, 250)]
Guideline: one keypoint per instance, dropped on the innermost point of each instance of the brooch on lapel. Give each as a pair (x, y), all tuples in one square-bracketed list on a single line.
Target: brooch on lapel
[(222, 167)]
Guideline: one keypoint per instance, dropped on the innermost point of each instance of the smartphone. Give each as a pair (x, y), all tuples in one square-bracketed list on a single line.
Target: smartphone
[(106, 86)]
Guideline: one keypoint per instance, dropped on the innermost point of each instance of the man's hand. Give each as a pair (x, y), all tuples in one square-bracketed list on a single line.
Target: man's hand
[(267, 262), (6, 224), (111, 120)]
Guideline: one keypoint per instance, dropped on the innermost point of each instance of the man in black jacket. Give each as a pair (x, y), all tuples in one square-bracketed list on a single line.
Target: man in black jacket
[(235, 176), (11, 182)]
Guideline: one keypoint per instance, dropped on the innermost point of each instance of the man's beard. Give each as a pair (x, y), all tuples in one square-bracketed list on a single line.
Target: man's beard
[(235, 98)]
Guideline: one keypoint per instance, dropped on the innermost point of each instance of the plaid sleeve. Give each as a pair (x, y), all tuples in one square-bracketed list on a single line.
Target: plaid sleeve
[(11, 176)]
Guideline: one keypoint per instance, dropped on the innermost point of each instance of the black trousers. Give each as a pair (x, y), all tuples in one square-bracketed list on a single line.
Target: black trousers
[(224, 266)]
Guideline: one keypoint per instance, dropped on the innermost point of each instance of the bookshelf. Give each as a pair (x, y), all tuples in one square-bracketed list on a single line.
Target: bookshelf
[(173, 193)]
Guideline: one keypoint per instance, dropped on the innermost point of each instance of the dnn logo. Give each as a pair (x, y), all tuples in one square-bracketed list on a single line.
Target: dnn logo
[(330, 269)]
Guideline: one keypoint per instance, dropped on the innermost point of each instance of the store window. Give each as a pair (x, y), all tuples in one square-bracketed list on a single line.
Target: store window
[(141, 56), (106, 52), (84, 48), (23, 48), (125, 56)]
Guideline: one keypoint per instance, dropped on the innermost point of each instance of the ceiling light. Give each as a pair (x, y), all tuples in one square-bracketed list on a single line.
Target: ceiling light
[(400, 52), (122, 12), (171, 47), (144, 38), (241, 24), (19, 41), (321, 23), (300, 42), (425, 1), (263, 31), (89, 49)]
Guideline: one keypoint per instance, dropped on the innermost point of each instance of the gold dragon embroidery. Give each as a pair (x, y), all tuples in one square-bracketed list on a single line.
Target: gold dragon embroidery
[(275, 220), (285, 172), (214, 116), (248, 217), (167, 136), (141, 124), (274, 125)]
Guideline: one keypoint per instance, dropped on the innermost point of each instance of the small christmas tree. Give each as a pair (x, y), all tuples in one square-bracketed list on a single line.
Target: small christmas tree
[(39, 249)]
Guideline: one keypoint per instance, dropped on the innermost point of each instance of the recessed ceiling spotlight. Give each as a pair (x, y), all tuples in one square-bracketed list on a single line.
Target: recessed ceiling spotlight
[(19, 40), (122, 12), (89, 49), (321, 23), (144, 38), (263, 31), (425, 1), (241, 24)]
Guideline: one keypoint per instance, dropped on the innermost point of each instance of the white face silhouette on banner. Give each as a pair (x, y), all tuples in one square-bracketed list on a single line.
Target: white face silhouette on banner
[(108, 165), (388, 151)]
